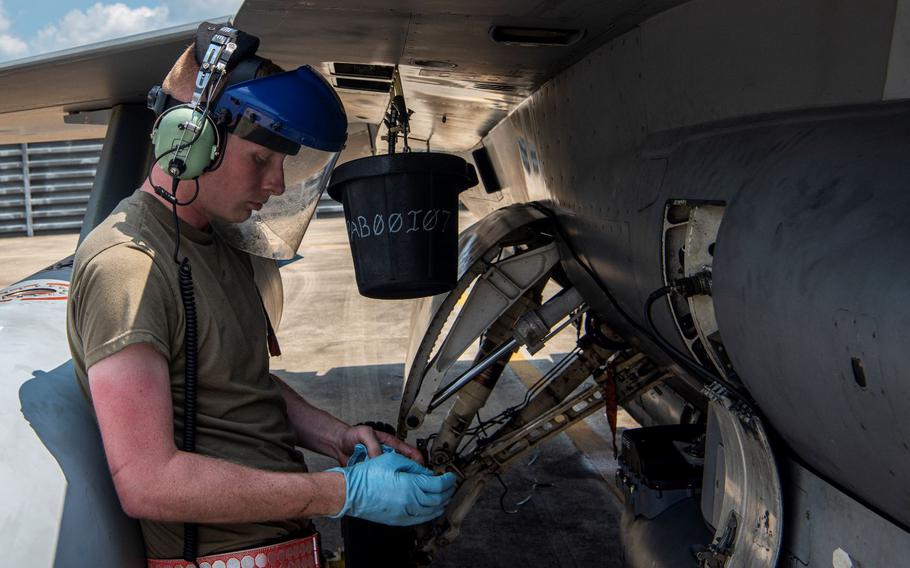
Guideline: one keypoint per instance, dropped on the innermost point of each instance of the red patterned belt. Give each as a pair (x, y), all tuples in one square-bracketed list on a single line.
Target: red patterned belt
[(299, 553)]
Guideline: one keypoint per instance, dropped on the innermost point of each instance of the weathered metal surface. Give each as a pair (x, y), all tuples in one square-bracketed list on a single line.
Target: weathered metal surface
[(59, 504)]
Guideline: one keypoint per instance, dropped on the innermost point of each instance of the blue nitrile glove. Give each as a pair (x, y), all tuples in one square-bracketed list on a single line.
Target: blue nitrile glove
[(360, 453), (392, 489)]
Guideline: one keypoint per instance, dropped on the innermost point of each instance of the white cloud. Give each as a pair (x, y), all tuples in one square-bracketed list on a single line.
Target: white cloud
[(196, 10), (10, 45), (104, 21), (98, 23), (5, 22)]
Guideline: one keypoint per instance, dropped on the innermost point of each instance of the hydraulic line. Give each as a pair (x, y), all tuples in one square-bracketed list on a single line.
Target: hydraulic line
[(649, 318)]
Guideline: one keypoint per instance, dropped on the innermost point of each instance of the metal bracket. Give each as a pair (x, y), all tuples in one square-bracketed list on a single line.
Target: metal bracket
[(557, 420), (699, 231), (635, 374), (497, 289), (719, 551)]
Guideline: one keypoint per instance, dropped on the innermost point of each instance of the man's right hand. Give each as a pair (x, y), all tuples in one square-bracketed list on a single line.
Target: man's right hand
[(394, 490)]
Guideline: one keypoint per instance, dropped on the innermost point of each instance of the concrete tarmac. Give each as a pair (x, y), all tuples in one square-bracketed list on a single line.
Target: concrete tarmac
[(345, 353), (23, 256)]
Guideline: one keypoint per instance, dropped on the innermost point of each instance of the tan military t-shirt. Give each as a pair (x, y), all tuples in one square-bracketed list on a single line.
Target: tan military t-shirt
[(125, 290)]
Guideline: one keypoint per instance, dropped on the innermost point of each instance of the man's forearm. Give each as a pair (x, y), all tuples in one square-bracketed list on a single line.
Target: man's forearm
[(132, 399), (316, 429), (195, 488)]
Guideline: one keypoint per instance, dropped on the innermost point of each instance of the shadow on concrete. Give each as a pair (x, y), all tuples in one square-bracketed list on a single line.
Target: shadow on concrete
[(94, 531)]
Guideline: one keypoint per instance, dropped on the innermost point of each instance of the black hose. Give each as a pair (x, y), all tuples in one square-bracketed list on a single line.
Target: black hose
[(697, 367), (663, 342)]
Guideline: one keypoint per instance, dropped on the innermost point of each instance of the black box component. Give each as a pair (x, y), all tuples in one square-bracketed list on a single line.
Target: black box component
[(485, 169), (660, 466)]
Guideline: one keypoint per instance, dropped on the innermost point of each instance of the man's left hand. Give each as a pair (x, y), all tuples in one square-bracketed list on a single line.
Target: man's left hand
[(372, 439)]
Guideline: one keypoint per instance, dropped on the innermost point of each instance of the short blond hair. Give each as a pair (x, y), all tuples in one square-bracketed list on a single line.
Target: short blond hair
[(181, 79)]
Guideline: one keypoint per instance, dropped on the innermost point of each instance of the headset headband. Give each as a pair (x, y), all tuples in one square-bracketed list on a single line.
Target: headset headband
[(214, 64), (219, 50)]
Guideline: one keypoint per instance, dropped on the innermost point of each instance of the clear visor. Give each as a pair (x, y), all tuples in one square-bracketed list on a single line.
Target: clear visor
[(276, 230)]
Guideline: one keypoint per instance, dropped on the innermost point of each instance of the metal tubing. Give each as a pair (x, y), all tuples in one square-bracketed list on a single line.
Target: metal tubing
[(556, 331), (471, 374), (560, 306), (570, 378), (546, 316)]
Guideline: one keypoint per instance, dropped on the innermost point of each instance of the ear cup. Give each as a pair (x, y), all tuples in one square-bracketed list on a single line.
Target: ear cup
[(181, 152)]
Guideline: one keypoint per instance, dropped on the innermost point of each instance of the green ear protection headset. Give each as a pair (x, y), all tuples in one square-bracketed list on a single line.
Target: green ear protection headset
[(187, 139), (181, 157)]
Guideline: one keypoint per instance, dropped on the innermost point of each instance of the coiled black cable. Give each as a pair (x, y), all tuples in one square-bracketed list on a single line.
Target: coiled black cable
[(191, 362), (190, 370), (190, 342)]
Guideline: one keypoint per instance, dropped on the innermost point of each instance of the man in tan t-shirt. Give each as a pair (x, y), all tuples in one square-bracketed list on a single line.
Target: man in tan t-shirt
[(246, 486)]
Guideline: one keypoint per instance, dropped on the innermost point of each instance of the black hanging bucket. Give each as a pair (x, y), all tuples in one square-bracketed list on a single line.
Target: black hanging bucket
[(402, 221)]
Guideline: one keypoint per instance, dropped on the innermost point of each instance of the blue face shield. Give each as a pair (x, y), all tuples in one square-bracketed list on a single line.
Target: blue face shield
[(298, 114)]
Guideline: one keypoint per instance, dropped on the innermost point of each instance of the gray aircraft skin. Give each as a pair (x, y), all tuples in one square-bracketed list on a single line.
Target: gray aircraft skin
[(763, 143)]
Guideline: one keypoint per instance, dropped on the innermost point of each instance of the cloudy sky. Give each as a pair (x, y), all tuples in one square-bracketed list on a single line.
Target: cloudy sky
[(32, 27)]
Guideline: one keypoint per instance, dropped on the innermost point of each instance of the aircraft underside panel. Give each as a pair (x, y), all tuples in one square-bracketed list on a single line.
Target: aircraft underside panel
[(810, 277), (59, 504), (804, 166)]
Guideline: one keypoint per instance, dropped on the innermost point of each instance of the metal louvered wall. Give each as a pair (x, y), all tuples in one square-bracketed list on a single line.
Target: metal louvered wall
[(45, 186)]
